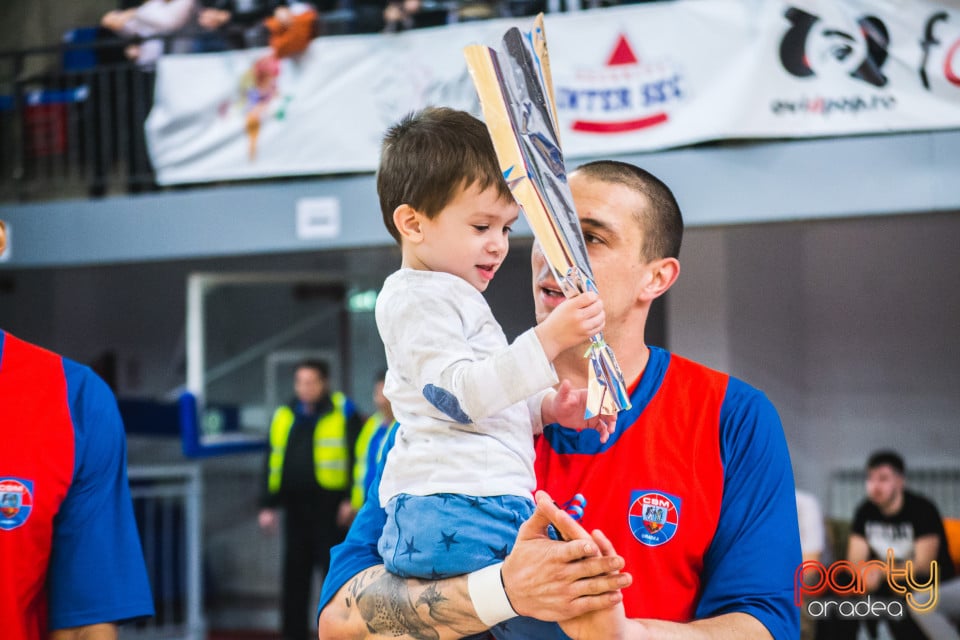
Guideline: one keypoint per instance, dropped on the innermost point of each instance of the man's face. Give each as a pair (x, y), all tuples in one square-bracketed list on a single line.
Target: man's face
[(308, 385), (884, 486), (613, 238)]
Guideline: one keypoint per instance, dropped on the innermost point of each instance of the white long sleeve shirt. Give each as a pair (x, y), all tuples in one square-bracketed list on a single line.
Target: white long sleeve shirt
[(468, 403)]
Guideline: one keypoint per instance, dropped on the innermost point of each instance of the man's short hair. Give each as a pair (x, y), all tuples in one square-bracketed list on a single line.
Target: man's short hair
[(662, 225), (430, 154), (320, 366), (886, 457)]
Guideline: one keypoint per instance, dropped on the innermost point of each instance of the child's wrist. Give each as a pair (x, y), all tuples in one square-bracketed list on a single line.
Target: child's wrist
[(547, 342), (547, 414)]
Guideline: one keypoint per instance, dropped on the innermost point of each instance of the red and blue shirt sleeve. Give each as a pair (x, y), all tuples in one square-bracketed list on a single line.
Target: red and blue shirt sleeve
[(750, 564), (97, 572)]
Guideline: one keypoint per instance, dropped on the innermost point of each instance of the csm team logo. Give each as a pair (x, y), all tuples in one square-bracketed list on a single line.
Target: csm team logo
[(653, 516), (16, 502)]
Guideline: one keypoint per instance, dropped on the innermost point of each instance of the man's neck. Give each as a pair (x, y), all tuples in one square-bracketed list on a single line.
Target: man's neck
[(894, 507)]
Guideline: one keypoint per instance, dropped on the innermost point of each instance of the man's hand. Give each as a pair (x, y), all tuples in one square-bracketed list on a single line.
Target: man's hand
[(567, 407), (269, 520), (345, 514), (116, 20), (556, 580)]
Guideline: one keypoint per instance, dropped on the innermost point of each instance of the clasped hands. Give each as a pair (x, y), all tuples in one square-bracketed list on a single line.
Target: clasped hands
[(575, 581)]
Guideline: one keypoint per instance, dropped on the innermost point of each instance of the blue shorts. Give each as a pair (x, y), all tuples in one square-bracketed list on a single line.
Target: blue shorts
[(448, 534)]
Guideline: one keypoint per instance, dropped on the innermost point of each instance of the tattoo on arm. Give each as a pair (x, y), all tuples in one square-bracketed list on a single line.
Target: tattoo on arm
[(398, 607)]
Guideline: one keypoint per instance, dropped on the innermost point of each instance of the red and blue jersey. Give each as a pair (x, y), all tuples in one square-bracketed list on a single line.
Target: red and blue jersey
[(69, 546), (694, 489)]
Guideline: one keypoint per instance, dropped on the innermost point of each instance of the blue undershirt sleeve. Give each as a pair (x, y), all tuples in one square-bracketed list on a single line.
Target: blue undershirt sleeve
[(750, 564), (359, 550), (97, 572)]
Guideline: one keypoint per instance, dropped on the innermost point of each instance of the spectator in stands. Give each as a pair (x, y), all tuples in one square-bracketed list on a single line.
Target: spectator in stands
[(250, 23), (401, 15), (308, 468), (152, 18), (133, 98), (370, 443), (69, 548), (894, 519)]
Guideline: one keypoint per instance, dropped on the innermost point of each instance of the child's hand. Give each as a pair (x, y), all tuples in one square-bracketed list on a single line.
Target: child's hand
[(572, 323), (566, 407)]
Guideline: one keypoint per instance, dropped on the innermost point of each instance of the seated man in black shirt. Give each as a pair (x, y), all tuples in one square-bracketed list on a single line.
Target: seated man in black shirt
[(893, 526)]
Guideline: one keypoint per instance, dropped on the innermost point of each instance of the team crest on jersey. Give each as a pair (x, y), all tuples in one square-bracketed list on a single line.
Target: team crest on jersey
[(16, 502), (653, 516)]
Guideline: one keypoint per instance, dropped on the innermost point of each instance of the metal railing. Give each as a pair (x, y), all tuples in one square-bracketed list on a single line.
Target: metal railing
[(167, 503), (71, 122), (72, 115)]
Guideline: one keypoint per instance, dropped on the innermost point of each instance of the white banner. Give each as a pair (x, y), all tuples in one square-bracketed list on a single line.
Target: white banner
[(627, 79)]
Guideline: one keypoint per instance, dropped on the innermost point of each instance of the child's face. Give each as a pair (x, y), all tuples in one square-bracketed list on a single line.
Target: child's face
[(468, 238)]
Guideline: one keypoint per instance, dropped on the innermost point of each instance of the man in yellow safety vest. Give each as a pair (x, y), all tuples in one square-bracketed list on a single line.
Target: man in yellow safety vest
[(308, 475)]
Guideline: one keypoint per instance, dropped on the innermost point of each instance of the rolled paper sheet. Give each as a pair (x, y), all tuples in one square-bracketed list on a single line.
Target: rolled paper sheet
[(516, 94)]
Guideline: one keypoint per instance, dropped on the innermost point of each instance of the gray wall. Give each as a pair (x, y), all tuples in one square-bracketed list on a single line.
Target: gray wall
[(850, 326)]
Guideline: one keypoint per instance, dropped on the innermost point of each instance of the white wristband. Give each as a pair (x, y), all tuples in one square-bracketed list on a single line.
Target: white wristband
[(488, 595)]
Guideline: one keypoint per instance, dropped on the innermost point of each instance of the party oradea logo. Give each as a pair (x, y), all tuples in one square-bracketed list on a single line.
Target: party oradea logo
[(847, 590)]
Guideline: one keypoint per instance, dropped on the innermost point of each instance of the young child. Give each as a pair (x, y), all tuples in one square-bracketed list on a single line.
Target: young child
[(459, 480)]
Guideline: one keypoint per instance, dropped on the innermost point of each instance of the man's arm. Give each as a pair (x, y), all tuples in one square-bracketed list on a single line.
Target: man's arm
[(97, 573), (89, 632), (376, 602), (925, 551), (549, 579), (857, 548)]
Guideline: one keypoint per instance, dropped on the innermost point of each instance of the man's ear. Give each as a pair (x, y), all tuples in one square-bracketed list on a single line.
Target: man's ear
[(3, 237), (408, 220), (661, 275)]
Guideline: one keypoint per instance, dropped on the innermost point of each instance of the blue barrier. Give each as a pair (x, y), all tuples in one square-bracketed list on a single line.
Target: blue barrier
[(215, 433)]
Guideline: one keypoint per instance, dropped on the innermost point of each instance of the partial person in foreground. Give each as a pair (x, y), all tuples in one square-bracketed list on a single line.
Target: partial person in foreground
[(694, 490), (71, 557)]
